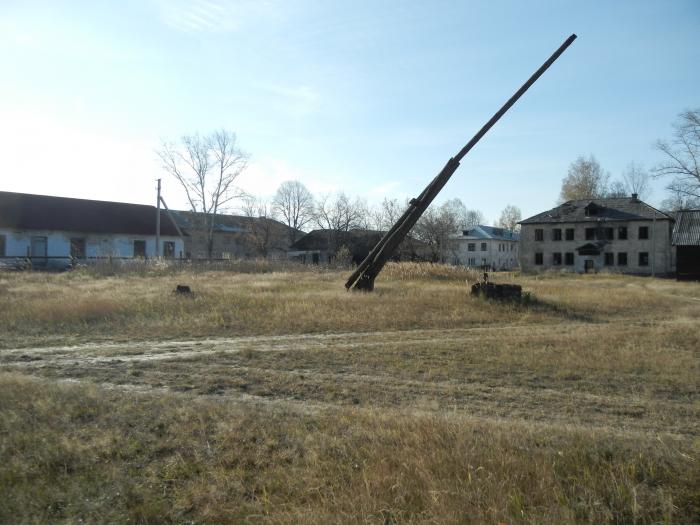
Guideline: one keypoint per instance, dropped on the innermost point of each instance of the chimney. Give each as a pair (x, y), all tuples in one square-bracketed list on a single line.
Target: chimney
[(634, 197)]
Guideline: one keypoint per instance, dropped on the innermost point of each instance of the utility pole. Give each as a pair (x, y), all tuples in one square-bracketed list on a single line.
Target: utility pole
[(158, 222)]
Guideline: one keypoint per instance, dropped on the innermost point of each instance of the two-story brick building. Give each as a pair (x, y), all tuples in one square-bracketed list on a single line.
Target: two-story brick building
[(622, 235)]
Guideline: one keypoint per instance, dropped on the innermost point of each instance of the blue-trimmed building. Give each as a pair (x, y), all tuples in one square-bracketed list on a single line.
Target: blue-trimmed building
[(486, 247)]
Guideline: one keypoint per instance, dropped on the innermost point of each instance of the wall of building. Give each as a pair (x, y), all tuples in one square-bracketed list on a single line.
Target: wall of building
[(658, 246), (58, 244), (505, 258)]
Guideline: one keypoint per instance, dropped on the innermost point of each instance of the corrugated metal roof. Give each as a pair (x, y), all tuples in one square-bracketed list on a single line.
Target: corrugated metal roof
[(488, 232), (686, 231), (24, 211), (622, 209)]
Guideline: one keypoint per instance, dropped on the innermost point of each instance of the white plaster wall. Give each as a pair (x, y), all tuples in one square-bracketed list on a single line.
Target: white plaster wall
[(507, 259)]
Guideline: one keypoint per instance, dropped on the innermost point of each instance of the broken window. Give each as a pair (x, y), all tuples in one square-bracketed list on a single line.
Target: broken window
[(77, 248), (569, 258), (471, 247), (590, 234), (622, 259), (643, 258), (556, 259), (556, 234), (140, 249), (609, 259), (539, 258), (483, 246), (609, 234), (168, 249), (622, 233), (569, 234), (644, 232), (539, 234)]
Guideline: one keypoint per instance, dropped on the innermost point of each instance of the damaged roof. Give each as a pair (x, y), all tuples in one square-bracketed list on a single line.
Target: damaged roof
[(25, 211), (587, 210), (490, 232), (686, 231)]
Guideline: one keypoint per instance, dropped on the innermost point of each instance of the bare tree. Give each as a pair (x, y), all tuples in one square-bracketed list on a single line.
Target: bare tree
[(294, 204), (434, 229), (585, 180), (206, 167), (259, 214), (473, 218), (510, 216), (338, 215), (636, 180), (617, 190), (386, 214), (682, 156), (679, 201)]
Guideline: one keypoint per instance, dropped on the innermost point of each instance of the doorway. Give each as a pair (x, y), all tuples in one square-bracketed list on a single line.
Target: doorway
[(38, 251), (588, 266)]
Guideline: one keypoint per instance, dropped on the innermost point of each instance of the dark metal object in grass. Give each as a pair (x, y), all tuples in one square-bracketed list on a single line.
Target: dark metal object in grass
[(363, 277), (512, 292), (183, 289)]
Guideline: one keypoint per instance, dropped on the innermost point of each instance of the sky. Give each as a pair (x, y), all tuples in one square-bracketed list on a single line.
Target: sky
[(367, 97)]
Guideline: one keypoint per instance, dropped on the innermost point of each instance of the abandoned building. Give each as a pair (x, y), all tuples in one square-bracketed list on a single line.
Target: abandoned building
[(622, 235), (235, 236), (321, 246), (686, 241), (486, 247), (55, 232)]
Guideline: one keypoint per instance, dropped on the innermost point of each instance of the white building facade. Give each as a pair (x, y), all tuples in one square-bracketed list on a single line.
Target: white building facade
[(486, 247)]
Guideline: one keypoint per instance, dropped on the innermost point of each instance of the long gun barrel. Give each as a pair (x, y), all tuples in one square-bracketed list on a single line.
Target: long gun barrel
[(363, 277)]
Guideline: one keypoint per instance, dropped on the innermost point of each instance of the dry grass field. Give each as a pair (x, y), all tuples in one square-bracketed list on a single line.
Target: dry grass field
[(277, 397)]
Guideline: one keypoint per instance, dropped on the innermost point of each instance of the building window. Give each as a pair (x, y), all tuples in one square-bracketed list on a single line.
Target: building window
[(569, 258), (556, 259), (622, 259), (609, 259), (622, 233), (140, 249), (471, 247), (168, 249), (643, 258), (590, 234), (539, 234), (77, 248), (569, 234), (556, 234), (609, 234), (539, 258), (644, 232), (471, 261), (2, 246), (483, 246)]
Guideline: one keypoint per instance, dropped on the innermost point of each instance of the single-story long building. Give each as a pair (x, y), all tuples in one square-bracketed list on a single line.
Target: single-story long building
[(54, 232)]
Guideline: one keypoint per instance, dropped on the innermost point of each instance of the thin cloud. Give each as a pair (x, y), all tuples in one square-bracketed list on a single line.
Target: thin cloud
[(213, 16)]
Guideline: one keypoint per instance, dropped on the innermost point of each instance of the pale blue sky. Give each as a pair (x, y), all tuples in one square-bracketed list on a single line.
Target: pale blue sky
[(367, 97)]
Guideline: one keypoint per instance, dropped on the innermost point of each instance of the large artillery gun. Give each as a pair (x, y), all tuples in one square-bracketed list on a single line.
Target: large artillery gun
[(363, 277)]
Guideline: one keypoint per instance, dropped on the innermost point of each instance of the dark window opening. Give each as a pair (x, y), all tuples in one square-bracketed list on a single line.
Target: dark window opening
[(590, 234), (644, 232), (622, 233), (140, 249), (622, 259), (569, 234), (609, 259), (2, 246), (556, 259), (569, 258), (77, 248), (471, 247), (169, 249), (556, 234), (643, 258), (609, 235), (539, 258), (314, 258), (483, 246), (539, 234)]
